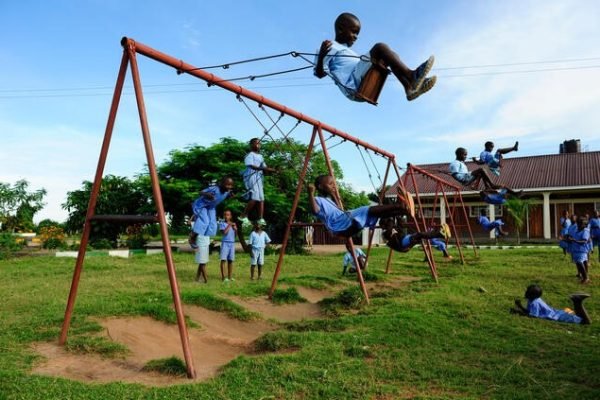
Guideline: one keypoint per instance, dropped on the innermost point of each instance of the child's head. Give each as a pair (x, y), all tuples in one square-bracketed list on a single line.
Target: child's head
[(254, 144), (582, 222), (489, 146), (325, 185), (483, 212), (347, 28), (461, 154), (596, 213), (257, 227), (227, 215), (226, 184), (533, 292), (573, 218), (565, 213)]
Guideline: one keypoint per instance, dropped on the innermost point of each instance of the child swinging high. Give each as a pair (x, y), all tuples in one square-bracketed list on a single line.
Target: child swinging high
[(348, 69)]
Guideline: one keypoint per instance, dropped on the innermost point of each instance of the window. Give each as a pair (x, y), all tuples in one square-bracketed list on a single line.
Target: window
[(428, 211), (474, 211)]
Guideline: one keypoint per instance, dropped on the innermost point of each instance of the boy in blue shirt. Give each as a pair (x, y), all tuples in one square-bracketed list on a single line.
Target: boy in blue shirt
[(253, 180), (578, 244), (498, 197), (565, 224), (227, 254), (347, 69), (594, 226), (258, 241), (459, 171), (349, 260), (487, 225), (348, 223), (494, 161), (205, 221), (537, 308)]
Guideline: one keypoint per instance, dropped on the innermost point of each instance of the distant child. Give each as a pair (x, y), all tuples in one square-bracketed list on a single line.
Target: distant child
[(205, 221), (498, 197), (565, 224), (487, 225), (349, 260), (594, 226), (494, 161), (441, 246), (258, 241), (402, 242), (459, 171), (537, 308), (253, 180), (229, 230), (349, 223), (347, 69), (578, 244), (571, 231)]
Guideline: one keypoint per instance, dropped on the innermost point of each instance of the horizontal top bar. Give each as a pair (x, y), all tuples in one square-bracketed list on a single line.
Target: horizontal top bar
[(146, 219), (435, 178), (232, 87)]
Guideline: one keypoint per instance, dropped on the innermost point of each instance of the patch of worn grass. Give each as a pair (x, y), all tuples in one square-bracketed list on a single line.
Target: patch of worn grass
[(168, 366), (287, 296), (217, 303), (96, 345)]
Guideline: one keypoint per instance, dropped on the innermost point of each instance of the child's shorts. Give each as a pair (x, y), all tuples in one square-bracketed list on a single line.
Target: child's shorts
[(201, 256), (361, 69), (565, 316), (227, 251), (579, 256), (257, 256), (254, 185)]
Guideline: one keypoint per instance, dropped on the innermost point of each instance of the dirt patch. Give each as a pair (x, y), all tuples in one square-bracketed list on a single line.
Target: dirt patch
[(394, 283), (310, 294), (219, 340), (283, 312)]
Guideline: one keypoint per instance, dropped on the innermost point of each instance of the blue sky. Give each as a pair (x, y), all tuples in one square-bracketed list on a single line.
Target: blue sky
[(59, 61)]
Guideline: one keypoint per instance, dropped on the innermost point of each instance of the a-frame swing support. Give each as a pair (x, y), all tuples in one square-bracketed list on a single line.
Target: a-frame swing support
[(131, 48)]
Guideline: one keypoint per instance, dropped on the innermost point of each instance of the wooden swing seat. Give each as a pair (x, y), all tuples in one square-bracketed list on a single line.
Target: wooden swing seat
[(372, 83)]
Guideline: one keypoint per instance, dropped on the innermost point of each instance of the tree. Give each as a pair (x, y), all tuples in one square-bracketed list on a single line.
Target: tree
[(18, 206), (118, 195), (518, 210)]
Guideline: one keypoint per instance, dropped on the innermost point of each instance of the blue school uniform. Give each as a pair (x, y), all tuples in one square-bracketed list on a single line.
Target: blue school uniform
[(438, 244), (346, 68), (349, 260), (459, 171), (565, 223), (498, 198), (488, 226), (257, 242), (579, 251), (539, 309), (205, 211), (337, 220), (227, 252), (253, 178), (570, 232), (594, 226), (492, 161)]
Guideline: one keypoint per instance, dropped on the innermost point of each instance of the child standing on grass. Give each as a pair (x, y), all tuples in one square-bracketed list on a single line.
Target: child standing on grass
[(565, 224), (347, 69), (578, 243), (494, 161), (537, 308), (253, 180), (205, 222), (487, 225), (349, 260), (229, 229), (258, 241), (595, 231)]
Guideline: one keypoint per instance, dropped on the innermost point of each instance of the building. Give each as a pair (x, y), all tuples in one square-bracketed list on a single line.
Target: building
[(552, 183)]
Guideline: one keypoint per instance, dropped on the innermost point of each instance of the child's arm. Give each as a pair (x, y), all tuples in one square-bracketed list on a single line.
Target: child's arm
[(208, 194), (476, 161), (519, 309), (227, 228), (267, 238), (314, 207), (319, 71)]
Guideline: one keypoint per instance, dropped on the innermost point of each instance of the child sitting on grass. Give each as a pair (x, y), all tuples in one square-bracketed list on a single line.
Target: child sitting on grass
[(347, 69), (537, 308), (258, 241), (349, 260), (349, 223)]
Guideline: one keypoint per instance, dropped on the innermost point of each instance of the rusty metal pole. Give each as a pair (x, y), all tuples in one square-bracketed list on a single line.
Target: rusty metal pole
[(293, 211), (389, 261), (359, 274), (94, 197), (139, 96), (456, 238), (468, 224), (381, 196)]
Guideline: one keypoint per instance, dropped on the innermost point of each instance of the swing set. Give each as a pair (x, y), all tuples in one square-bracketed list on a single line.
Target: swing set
[(130, 50)]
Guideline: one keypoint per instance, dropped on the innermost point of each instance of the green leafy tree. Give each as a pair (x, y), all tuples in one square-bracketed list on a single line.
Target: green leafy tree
[(18, 205), (518, 210), (118, 195)]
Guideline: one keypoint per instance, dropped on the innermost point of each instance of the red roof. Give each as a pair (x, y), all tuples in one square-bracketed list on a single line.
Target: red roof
[(566, 170)]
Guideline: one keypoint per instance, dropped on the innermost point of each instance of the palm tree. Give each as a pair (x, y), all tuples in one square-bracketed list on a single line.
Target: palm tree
[(518, 210)]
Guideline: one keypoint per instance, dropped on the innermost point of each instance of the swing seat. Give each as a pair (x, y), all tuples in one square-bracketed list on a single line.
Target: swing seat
[(372, 83)]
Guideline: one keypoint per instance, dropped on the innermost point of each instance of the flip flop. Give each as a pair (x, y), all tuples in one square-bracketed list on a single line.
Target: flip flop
[(427, 85), (421, 73), (408, 201), (445, 231)]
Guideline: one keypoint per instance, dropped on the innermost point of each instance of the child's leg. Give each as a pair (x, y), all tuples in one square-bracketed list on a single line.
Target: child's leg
[(388, 210), (252, 271), (381, 52), (229, 269), (580, 310), (487, 181), (222, 270), (582, 272), (259, 270), (201, 273), (249, 207), (509, 149)]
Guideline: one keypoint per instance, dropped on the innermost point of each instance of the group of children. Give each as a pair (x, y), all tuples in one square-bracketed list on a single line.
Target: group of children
[(578, 237)]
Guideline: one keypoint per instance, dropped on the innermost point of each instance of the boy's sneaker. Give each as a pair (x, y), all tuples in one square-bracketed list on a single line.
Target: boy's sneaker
[(192, 241), (225, 280), (262, 222), (421, 73), (427, 85), (244, 221)]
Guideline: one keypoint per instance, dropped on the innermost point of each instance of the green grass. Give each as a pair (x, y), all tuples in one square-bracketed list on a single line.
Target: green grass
[(422, 340), (169, 366)]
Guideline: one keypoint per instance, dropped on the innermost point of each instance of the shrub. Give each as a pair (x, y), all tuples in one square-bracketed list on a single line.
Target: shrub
[(135, 237), (101, 243), (52, 237), (8, 245)]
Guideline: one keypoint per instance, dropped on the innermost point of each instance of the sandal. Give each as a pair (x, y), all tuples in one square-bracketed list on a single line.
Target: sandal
[(421, 73), (427, 85)]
